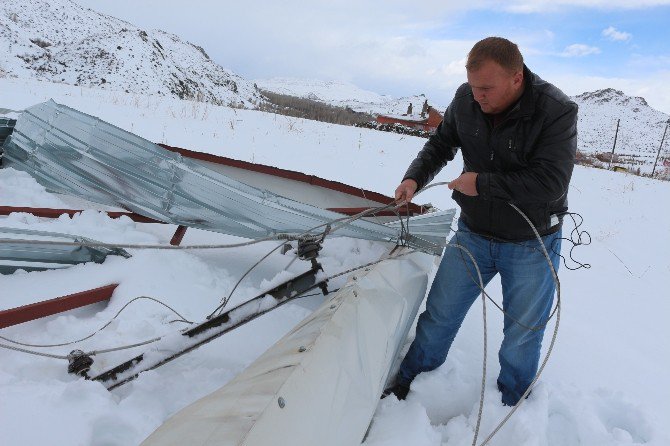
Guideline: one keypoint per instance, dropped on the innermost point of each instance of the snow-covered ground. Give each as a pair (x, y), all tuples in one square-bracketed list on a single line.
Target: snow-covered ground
[(605, 383)]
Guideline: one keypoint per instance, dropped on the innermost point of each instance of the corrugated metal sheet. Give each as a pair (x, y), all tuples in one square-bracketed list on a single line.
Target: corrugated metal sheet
[(6, 128), (74, 153), (40, 256)]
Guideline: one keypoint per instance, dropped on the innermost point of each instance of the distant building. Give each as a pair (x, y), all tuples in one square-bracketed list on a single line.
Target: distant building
[(428, 124)]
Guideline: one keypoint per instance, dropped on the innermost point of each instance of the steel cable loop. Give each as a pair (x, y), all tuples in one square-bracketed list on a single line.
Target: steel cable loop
[(502, 310), (553, 338), (484, 362), (556, 311), (92, 353), (101, 328)]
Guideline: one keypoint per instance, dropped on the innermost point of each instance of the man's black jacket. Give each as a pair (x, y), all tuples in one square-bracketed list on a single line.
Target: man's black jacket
[(526, 159)]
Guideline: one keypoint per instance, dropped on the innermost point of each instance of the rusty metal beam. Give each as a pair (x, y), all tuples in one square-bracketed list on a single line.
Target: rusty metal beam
[(38, 310), (178, 235)]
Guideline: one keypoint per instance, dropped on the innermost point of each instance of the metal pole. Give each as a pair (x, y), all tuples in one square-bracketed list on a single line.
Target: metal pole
[(614, 146), (659, 147)]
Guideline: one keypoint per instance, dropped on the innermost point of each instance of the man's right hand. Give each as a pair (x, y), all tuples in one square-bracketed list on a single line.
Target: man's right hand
[(405, 192)]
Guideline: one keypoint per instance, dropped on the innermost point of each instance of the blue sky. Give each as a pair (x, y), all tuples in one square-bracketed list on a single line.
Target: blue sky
[(403, 48)]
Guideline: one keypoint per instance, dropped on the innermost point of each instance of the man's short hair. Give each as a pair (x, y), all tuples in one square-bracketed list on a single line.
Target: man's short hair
[(499, 50)]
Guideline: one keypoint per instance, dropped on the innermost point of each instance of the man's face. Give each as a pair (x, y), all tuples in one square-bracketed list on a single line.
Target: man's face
[(494, 87)]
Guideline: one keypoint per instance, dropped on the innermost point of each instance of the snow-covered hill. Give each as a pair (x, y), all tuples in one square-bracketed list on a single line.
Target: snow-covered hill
[(59, 41), (345, 94), (640, 129)]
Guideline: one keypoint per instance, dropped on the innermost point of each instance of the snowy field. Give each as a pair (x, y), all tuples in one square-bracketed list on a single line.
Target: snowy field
[(605, 384)]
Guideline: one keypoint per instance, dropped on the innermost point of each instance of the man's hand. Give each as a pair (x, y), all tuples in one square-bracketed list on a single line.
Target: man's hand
[(405, 192), (465, 184)]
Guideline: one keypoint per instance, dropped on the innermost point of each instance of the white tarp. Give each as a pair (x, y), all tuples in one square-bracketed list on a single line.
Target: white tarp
[(321, 383)]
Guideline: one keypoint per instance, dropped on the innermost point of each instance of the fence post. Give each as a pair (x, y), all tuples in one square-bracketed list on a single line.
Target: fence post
[(659, 148), (614, 146)]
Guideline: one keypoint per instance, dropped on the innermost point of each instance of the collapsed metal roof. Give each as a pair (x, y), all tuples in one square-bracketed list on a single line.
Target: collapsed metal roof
[(77, 154)]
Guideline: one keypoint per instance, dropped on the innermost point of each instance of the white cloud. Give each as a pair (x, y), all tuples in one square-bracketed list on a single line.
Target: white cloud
[(580, 50), (544, 6), (614, 34)]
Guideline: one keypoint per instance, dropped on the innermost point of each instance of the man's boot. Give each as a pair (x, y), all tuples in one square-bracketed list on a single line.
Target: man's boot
[(399, 390)]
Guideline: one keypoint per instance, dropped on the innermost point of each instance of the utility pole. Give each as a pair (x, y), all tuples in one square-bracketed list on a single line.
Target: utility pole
[(614, 146), (659, 147)]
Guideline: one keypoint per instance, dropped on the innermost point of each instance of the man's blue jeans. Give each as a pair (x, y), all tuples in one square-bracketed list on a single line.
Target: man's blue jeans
[(528, 289)]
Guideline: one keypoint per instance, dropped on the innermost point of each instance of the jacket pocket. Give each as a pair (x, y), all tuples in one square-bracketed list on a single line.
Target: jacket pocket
[(469, 130)]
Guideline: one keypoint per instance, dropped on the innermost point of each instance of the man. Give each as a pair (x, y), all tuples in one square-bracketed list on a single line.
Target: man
[(518, 137)]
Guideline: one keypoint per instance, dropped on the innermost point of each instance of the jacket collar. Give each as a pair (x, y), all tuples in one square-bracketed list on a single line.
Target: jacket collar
[(527, 104)]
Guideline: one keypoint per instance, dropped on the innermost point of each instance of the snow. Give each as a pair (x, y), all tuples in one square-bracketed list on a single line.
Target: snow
[(605, 383)]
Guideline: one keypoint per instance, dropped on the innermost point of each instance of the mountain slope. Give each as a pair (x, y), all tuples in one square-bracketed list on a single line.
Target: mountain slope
[(59, 41), (640, 129)]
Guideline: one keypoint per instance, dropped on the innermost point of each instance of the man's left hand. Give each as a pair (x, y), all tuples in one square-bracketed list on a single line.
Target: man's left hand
[(465, 184)]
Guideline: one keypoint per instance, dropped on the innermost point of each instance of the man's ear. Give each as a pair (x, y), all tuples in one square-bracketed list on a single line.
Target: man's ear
[(518, 77)]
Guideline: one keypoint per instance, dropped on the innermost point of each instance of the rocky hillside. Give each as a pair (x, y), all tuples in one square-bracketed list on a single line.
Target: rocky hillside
[(640, 129), (60, 41)]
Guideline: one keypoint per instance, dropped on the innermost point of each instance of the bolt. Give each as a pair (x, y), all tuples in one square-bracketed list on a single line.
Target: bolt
[(354, 278), (355, 294), (281, 402), (332, 307), (302, 348)]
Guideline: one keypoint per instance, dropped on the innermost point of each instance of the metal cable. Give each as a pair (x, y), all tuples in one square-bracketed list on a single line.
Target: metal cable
[(224, 301), (94, 244), (483, 387), (329, 230), (101, 328), (497, 305), (94, 352), (19, 349), (553, 338), (556, 311), (124, 347)]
